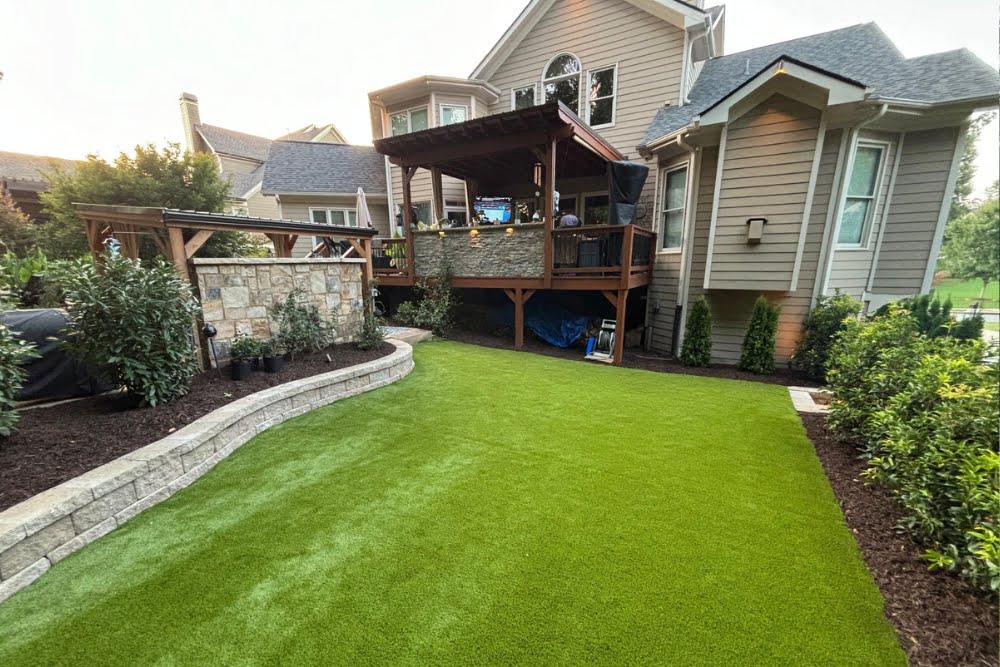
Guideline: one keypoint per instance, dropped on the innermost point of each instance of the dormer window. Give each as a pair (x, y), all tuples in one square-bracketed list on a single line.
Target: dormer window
[(411, 120), (561, 81)]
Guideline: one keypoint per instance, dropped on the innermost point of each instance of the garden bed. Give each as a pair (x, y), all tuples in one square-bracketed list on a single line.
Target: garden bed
[(940, 619), (55, 444)]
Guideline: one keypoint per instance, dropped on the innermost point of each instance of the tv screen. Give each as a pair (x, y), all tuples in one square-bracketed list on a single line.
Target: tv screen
[(493, 209)]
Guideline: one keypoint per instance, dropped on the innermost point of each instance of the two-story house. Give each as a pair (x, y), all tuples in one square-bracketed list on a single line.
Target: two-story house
[(791, 170)]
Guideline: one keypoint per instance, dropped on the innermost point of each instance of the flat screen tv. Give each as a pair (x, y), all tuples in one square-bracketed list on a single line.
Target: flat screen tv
[(493, 209)]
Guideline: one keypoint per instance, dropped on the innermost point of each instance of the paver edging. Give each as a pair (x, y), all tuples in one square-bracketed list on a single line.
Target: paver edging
[(47, 527)]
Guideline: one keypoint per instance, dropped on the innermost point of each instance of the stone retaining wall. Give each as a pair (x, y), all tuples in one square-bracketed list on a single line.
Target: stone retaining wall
[(237, 294), (41, 531), (491, 253)]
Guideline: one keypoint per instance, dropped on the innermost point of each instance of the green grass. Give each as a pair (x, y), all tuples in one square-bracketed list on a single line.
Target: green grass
[(991, 326), (492, 507), (963, 292)]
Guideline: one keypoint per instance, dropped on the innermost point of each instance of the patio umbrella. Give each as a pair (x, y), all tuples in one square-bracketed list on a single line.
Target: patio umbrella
[(364, 217)]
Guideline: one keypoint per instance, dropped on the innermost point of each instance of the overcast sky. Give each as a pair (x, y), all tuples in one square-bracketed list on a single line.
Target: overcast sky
[(102, 75)]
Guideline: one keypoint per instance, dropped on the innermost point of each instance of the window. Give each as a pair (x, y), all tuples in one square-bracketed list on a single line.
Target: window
[(412, 120), (522, 98), (672, 213), (342, 217), (453, 114), (596, 209), (859, 205), (601, 96), (561, 81), (423, 210)]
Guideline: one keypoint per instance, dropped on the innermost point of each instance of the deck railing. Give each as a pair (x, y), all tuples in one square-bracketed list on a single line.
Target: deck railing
[(389, 257), (601, 251)]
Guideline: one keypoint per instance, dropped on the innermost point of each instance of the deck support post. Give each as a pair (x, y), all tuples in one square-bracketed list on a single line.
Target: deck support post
[(548, 215), (408, 217), (437, 195), (619, 350), (520, 297)]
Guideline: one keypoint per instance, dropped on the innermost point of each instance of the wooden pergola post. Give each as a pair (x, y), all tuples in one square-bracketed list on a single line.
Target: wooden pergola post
[(548, 215), (408, 216), (471, 192), (178, 254), (437, 195)]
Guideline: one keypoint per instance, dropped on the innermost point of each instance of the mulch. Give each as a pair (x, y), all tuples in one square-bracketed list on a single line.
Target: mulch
[(634, 358), (939, 618), (57, 443)]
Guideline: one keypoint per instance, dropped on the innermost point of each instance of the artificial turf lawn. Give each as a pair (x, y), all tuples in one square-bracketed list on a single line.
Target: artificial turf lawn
[(492, 507)]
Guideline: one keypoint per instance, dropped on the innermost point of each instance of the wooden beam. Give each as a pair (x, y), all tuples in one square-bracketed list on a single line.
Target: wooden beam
[(408, 217), (471, 192), (177, 254), (612, 297), (548, 215), (518, 320), (196, 242), (478, 146), (620, 326), (626, 262), (437, 195)]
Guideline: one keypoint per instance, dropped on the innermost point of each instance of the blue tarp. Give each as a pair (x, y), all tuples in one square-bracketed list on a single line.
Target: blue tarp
[(547, 319)]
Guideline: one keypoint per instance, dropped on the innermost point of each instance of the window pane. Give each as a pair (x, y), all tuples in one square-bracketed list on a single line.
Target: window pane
[(319, 216), (567, 205), (865, 172), (352, 218), (676, 187), (595, 210), (561, 66), (852, 223), (451, 115), (418, 120), (673, 228), (398, 124), (566, 91), (423, 212), (524, 98), (337, 218), (602, 83), (601, 112)]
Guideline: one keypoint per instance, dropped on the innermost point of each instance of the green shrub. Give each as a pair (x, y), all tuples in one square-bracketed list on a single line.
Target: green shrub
[(13, 352), (697, 349), (300, 326), (934, 318), (936, 452), (371, 336), (132, 321), (757, 355), (432, 306), (825, 321), (245, 348)]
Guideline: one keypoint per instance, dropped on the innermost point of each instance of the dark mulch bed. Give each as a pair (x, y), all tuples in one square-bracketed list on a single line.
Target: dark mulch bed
[(54, 444), (634, 358), (939, 618)]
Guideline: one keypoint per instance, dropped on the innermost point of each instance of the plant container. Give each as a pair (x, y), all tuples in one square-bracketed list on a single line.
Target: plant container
[(240, 370), (274, 364)]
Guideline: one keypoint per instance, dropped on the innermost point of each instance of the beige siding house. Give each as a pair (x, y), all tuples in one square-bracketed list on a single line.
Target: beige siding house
[(793, 170)]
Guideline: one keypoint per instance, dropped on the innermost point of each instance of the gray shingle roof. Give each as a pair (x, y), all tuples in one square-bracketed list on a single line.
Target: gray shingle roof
[(24, 167), (243, 183), (238, 144), (861, 52), (296, 166)]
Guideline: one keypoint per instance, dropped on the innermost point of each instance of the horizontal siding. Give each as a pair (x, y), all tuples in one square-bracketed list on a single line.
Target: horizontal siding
[(297, 208), (262, 206), (234, 166), (779, 134), (924, 166), (663, 299)]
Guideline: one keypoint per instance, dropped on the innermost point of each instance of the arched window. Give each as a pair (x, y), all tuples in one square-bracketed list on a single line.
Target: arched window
[(561, 81)]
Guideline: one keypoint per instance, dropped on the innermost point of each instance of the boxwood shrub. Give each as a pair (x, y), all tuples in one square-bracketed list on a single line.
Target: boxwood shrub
[(132, 321), (757, 354), (697, 348), (826, 319), (13, 353)]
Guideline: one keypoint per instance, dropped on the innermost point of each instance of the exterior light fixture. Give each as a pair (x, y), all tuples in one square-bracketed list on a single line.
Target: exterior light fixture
[(538, 174), (509, 230), (781, 68), (473, 232), (210, 332), (441, 234)]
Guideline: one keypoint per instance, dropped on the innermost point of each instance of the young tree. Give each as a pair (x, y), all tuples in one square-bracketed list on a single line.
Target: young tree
[(757, 355), (971, 248), (697, 348), (166, 177), (962, 201), (17, 233)]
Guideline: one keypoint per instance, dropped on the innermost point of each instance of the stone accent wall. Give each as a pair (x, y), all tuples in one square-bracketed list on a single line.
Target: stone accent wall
[(492, 253), (41, 531), (237, 294)]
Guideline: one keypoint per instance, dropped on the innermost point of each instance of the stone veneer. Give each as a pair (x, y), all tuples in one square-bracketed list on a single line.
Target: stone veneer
[(237, 294), (41, 531), (492, 253)]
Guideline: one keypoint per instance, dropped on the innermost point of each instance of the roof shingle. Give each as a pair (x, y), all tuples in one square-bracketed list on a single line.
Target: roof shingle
[(296, 166), (237, 144), (24, 167)]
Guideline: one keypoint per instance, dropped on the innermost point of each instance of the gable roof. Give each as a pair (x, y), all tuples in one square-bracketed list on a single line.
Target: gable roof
[(861, 53), (677, 12), (24, 167), (235, 144), (313, 132), (242, 184), (319, 168)]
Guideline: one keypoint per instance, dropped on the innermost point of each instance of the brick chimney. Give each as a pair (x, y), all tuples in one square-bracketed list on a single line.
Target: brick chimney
[(190, 117)]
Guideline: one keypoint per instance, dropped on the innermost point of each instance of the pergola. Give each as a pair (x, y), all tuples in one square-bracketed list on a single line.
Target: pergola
[(179, 234)]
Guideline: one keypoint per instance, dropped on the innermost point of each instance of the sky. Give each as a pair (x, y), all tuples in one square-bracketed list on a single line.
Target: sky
[(103, 75)]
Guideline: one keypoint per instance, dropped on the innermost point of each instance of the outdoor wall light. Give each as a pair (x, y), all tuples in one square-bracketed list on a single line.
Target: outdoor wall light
[(510, 231), (473, 233), (441, 234), (210, 332)]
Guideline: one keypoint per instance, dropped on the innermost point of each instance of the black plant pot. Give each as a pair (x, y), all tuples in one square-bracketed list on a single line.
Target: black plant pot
[(240, 370), (274, 364), (255, 364)]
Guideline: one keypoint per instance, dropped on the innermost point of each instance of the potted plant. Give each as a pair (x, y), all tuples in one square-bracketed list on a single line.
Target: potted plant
[(243, 351), (274, 355)]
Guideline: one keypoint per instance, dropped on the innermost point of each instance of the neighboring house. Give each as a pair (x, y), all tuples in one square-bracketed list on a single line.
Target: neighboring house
[(318, 182), (21, 178), (792, 170)]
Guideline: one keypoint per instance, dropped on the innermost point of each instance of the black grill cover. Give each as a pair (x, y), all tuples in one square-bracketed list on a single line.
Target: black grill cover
[(54, 373), (625, 181)]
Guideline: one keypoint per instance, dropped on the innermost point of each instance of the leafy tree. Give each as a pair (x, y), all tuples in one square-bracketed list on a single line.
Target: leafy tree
[(166, 177), (962, 201), (17, 232), (757, 355), (697, 349), (971, 248)]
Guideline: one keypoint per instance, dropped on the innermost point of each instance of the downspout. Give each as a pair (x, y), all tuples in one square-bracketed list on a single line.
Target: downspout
[(687, 237)]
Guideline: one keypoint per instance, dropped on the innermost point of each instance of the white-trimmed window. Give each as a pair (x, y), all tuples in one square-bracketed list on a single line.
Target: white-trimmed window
[(342, 217), (561, 81), (601, 86), (451, 114), (862, 195), (672, 206), (411, 120), (522, 98)]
